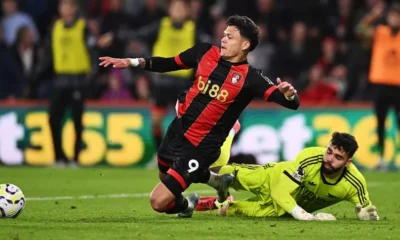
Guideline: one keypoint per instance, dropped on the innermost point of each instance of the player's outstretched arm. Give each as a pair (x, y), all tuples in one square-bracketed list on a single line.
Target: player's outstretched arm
[(121, 62), (154, 64), (185, 60)]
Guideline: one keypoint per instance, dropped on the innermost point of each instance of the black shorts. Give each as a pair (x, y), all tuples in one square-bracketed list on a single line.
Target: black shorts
[(165, 93), (179, 158)]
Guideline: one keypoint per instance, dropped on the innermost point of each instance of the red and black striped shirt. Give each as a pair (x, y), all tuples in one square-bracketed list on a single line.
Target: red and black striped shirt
[(220, 92)]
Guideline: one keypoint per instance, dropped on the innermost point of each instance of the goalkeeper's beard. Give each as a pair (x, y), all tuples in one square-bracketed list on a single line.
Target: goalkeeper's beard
[(328, 171)]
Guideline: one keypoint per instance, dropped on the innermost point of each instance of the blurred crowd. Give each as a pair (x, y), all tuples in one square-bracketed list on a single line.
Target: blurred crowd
[(317, 45)]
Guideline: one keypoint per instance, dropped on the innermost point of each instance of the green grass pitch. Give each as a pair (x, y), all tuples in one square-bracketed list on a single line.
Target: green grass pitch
[(113, 203)]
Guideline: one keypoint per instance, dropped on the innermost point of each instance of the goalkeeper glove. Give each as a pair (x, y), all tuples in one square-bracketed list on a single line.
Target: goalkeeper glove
[(366, 214), (300, 214), (324, 217)]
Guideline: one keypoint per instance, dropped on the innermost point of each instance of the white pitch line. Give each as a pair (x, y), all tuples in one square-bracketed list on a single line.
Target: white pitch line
[(140, 195), (121, 195)]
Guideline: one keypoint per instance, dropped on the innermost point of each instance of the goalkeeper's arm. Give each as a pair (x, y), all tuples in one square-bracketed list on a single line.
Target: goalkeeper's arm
[(364, 209), (281, 195)]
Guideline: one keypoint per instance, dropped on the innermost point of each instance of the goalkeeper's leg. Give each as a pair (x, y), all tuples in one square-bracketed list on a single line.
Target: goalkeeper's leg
[(206, 203), (225, 149), (251, 178), (248, 178)]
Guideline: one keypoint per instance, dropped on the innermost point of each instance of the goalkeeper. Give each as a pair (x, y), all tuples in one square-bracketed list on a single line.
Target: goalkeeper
[(317, 178)]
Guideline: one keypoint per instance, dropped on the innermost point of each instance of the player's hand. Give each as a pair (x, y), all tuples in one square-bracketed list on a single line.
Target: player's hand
[(286, 88), (324, 217), (305, 217), (301, 214), (115, 62), (367, 214)]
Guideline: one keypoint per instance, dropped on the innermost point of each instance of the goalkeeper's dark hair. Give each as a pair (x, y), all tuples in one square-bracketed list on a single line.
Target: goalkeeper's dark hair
[(247, 29), (345, 142)]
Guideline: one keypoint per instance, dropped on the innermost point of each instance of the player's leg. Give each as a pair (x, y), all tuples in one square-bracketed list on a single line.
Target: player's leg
[(77, 109), (163, 167), (165, 157), (165, 151), (248, 177), (381, 108), (167, 195), (215, 180), (58, 104), (190, 167), (207, 202), (170, 148)]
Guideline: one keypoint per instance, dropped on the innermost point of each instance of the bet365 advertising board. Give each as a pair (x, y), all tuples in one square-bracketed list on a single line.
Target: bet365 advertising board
[(121, 135)]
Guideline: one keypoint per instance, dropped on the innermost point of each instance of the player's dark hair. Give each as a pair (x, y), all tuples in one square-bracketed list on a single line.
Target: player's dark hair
[(247, 29), (346, 142)]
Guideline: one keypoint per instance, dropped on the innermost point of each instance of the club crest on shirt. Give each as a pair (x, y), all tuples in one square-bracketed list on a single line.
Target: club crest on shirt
[(236, 77), (299, 174)]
